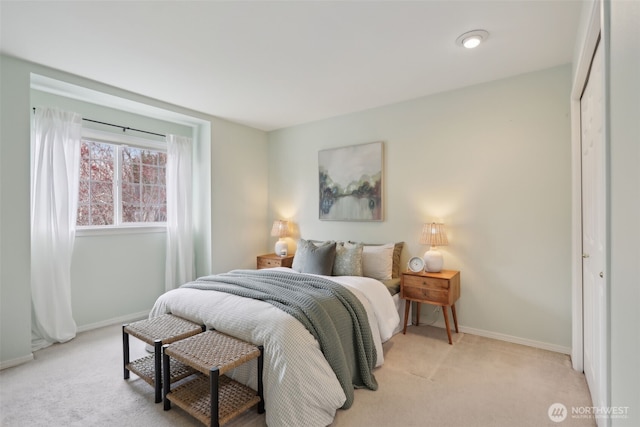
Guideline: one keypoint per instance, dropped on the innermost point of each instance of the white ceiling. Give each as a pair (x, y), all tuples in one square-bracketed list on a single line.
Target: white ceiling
[(276, 64)]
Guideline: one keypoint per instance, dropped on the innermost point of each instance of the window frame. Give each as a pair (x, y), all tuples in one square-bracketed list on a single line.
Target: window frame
[(121, 140)]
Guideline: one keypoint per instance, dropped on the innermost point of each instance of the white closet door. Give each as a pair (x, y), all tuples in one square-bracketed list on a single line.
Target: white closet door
[(592, 105)]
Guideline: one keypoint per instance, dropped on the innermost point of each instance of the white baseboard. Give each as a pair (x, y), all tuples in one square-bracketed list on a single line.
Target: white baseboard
[(15, 362), (510, 338), (114, 321)]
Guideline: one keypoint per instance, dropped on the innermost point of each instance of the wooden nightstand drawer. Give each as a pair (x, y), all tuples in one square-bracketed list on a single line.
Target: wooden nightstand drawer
[(273, 260), (268, 263), (426, 294), (426, 282)]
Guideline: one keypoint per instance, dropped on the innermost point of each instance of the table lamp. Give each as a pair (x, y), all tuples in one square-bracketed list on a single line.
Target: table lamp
[(280, 229), (433, 234)]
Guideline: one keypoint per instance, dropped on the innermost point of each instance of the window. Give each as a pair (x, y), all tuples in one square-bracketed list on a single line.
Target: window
[(121, 185)]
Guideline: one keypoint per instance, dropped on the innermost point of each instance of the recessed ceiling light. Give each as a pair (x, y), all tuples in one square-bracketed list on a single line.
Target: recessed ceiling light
[(472, 39)]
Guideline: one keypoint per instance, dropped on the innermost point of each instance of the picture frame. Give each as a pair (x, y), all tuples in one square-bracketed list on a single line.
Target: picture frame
[(351, 183)]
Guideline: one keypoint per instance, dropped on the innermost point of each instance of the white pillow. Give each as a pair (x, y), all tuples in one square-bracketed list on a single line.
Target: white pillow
[(377, 261)]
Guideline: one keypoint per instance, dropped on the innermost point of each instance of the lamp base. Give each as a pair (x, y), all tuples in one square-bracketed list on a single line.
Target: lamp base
[(433, 261), (282, 249)]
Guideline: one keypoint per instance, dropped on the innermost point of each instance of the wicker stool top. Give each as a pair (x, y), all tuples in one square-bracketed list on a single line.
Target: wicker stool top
[(167, 328), (212, 349)]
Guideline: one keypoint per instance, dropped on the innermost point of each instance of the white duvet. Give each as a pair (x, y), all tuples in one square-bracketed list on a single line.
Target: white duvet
[(300, 387)]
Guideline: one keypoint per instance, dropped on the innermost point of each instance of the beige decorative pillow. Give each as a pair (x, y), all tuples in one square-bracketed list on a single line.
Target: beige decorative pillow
[(397, 253), (377, 261), (348, 260)]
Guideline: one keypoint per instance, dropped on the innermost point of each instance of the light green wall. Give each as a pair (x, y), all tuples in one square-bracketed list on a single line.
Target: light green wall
[(116, 276), (239, 197), (623, 61), (492, 162), (15, 296), (124, 281)]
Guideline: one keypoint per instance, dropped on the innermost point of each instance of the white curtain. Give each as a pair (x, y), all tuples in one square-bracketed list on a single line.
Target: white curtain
[(180, 257), (54, 202)]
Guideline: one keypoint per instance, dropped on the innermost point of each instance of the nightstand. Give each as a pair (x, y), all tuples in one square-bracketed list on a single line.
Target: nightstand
[(273, 260), (441, 289)]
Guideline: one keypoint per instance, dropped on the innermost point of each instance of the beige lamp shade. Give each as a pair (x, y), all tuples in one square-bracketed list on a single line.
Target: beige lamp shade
[(280, 229), (433, 234)]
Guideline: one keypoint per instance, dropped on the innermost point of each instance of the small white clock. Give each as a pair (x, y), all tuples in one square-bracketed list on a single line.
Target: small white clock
[(416, 264)]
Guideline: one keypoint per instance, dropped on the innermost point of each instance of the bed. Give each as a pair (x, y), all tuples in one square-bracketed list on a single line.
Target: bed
[(301, 388)]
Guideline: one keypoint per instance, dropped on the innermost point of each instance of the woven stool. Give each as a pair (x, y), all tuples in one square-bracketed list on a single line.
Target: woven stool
[(217, 399), (160, 330)]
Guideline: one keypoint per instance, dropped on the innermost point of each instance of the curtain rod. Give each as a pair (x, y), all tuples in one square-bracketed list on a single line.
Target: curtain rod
[(124, 128)]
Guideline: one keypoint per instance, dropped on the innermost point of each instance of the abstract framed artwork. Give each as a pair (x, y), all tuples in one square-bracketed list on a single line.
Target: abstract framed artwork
[(351, 183)]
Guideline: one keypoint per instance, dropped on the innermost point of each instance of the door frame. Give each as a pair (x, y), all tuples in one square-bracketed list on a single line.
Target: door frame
[(595, 32), (579, 82)]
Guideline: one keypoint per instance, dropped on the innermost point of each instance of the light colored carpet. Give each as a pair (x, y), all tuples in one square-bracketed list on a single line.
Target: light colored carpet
[(424, 382)]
